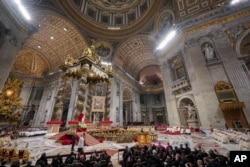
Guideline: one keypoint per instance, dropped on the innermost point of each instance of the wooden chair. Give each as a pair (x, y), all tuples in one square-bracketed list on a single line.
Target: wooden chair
[(10, 155), (5, 154), (20, 154), (26, 155), (15, 155)]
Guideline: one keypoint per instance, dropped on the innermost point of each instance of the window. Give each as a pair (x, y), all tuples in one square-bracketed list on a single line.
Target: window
[(105, 19), (91, 13)]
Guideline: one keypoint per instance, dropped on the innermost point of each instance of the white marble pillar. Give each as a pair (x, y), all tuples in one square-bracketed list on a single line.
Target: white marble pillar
[(25, 96), (202, 83), (115, 101), (51, 99), (73, 97), (172, 115)]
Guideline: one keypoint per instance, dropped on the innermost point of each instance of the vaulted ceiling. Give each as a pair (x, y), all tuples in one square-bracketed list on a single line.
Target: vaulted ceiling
[(125, 32), (72, 28), (48, 48)]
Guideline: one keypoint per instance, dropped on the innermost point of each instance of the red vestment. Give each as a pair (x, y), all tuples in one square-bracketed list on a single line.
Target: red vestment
[(80, 117)]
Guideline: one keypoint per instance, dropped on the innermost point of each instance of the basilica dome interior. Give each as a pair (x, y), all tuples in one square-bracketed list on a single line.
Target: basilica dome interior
[(203, 68)]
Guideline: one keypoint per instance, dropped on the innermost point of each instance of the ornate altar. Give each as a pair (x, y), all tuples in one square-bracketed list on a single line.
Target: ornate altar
[(144, 139)]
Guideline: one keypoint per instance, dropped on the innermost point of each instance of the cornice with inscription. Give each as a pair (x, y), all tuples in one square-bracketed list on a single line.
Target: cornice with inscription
[(214, 22)]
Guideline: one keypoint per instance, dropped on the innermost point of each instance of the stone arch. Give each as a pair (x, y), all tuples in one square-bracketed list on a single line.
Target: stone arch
[(29, 117), (182, 105), (130, 58), (239, 42), (185, 97), (48, 47)]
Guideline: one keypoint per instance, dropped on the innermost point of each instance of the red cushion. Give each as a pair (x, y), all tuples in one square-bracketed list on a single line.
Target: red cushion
[(66, 142), (100, 140)]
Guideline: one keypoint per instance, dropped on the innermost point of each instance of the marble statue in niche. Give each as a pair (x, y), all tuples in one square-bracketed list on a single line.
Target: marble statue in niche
[(209, 52), (191, 112)]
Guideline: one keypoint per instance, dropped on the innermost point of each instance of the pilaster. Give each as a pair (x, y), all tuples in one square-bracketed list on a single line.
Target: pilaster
[(202, 82), (236, 75)]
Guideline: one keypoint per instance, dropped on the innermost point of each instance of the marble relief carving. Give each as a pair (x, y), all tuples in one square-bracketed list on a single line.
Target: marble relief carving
[(180, 83)]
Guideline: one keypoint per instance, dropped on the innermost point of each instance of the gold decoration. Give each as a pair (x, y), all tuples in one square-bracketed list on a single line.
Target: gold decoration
[(10, 100), (218, 21), (235, 106), (70, 61), (89, 70), (222, 85)]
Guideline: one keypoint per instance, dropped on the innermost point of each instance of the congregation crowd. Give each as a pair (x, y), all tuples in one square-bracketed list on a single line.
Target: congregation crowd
[(182, 156)]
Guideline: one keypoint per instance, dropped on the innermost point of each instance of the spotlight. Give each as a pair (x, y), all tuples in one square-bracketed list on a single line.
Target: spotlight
[(166, 40)]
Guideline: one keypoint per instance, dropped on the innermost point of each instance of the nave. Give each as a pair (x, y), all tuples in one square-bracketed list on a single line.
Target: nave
[(42, 144)]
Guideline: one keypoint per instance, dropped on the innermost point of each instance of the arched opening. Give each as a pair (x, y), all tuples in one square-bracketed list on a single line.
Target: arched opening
[(29, 117), (127, 107), (186, 108)]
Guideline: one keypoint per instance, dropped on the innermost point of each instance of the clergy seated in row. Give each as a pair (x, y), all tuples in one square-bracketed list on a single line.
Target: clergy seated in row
[(14, 153)]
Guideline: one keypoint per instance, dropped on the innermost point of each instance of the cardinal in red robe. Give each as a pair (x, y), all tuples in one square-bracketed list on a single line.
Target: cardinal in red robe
[(81, 117)]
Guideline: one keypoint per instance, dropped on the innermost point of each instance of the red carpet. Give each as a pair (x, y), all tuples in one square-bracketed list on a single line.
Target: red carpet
[(90, 140), (65, 139), (111, 152)]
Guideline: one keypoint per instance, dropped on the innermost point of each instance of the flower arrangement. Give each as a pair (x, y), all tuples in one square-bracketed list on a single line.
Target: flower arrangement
[(82, 125)]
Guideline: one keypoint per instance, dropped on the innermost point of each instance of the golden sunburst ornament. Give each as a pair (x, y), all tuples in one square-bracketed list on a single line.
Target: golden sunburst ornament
[(9, 98)]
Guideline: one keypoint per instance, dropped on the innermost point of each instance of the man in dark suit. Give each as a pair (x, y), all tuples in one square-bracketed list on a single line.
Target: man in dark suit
[(73, 142)]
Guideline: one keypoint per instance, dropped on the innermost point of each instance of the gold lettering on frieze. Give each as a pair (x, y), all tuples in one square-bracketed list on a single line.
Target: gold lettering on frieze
[(218, 21)]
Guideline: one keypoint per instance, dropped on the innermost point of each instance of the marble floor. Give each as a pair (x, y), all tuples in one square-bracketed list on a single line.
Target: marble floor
[(40, 144)]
